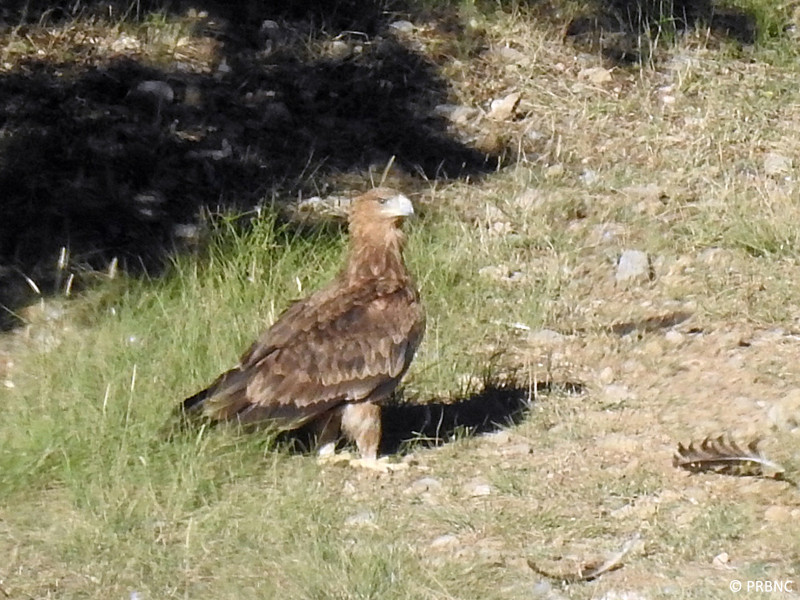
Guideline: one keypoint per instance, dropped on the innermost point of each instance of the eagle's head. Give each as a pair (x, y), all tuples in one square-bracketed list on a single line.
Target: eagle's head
[(381, 204)]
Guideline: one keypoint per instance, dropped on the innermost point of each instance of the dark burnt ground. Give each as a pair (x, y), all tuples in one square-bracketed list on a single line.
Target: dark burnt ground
[(89, 166)]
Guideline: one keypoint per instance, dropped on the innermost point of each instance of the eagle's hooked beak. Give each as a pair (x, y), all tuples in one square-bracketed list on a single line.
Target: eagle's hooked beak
[(397, 207)]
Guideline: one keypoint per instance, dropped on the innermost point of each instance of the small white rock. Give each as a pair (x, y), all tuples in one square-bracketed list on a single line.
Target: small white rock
[(445, 542), (588, 177), (359, 519), (478, 489), (498, 437), (721, 560), (159, 91), (784, 413), (502, 108), (510, 55), (596, 75), (633, 265), (546, 337), (425, 484), (554, 171), (623, 595), (455, 113), (402, 26), (777, 164), (339, 49), (674, 337)]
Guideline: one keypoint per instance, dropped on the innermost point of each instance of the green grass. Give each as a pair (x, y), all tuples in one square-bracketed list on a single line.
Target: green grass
[(81, 428)]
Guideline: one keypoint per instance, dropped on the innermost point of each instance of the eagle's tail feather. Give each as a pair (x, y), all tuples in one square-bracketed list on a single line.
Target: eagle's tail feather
[(219, 401)]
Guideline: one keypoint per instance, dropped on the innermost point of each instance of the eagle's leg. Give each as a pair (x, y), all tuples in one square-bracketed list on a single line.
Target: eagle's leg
[(361, 423), (327, 429), (327, 432)]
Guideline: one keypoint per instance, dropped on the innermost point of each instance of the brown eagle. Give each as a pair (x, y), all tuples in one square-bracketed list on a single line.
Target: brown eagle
[(330, 359)]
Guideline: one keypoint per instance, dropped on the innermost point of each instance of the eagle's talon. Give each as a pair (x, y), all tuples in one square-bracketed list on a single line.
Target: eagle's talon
[(380, 465), (333, 458)]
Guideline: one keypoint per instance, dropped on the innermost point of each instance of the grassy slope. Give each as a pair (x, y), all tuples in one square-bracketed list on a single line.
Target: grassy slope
[(95, 505)]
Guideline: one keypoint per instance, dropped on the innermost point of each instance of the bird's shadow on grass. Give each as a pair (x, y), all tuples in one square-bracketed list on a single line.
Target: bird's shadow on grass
[(407, 426)]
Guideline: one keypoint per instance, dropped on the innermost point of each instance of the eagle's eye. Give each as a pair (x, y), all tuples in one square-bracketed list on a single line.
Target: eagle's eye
[(383, 200)]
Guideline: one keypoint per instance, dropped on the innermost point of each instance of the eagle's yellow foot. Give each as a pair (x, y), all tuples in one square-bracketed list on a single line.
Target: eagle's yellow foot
[(329, 457), (381, 465)]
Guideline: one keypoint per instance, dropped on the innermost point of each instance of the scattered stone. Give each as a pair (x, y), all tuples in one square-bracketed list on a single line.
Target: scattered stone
[(186, 231), (785, 412), (495, 272), (546, 337), (721, 560), (521, 449), (776, 165), (696, 495), (715, 256), (674, 337), (160, 90), (616, 394), (402, 26), (544, 591), (625, 595), (331, 205), (477, 489), (271, 34), (503, 108), (596, 75), (606, 376), (455, 113), (424, 485), (633, 265), (360, 519), (588, 177), (778, 514), (510, 55), (554, 171), (125, 43), (339, 49), (223, 68), (445, 542), (498, 437), (535, 135)]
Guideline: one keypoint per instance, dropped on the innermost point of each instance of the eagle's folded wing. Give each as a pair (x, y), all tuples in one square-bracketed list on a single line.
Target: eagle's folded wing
[(354, 345)]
